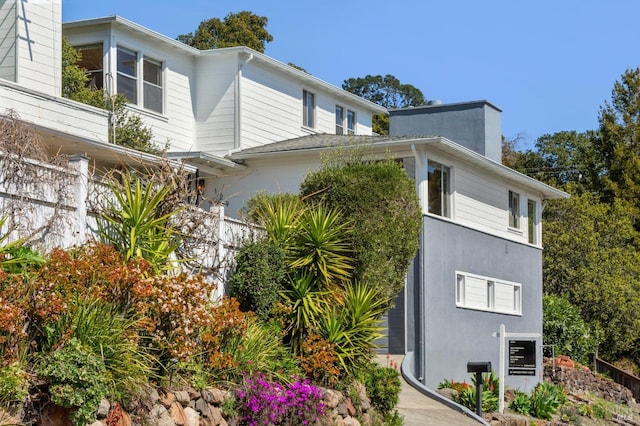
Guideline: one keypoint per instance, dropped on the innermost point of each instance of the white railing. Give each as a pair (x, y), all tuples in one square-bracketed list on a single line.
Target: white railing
[(62, 205)]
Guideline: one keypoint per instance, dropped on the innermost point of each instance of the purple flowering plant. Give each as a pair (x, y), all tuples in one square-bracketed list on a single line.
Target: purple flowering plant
[(261, 402)]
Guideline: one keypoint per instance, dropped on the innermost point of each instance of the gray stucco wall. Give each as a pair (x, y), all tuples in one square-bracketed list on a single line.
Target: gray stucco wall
[(454, 336)]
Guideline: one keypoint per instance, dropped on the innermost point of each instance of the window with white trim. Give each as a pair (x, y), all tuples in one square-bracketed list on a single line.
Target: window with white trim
[(438, 183), (351, 122), (488, 294), (308, 109), (91, 59), (514, 210), (152, 85), (532, 221), (339, 120), (127, 70), (132, 68)]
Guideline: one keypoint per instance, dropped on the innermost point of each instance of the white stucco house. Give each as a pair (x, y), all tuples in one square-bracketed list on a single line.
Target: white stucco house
[(242, 122)]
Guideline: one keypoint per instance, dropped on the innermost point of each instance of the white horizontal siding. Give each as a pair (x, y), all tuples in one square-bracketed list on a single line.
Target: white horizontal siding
[(8, 40), (57, 114), (215, 103), (271, 107), (270, 175), (39, 46), (480, 199)]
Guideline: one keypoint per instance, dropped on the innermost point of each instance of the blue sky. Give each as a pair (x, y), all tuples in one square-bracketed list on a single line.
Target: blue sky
[(549, 65)]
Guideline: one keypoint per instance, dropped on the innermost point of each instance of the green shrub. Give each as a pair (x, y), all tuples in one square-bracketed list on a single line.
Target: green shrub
[(383, 387), (564, 328), (113, 338), (546, 398), (257, 279), (467, 397), (381, 200), (13, 384), (521, 403), (490, 388), (77, 379)]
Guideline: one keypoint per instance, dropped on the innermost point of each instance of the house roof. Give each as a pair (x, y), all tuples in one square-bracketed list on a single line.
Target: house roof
[(394, 144), (248, 52)]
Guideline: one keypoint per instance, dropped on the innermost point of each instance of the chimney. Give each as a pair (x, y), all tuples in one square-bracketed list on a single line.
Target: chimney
[(475, 125)]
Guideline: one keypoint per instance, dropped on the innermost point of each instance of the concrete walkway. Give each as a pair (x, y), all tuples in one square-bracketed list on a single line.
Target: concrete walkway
[(419, 409)]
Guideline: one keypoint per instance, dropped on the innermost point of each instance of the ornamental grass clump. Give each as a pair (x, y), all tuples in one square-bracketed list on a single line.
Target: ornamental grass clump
[(261, 402)]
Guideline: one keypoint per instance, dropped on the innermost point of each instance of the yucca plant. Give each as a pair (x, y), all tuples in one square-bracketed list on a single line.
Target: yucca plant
[(355, 325), (321, 246), (307, 301), (132, 224), (279, 214)]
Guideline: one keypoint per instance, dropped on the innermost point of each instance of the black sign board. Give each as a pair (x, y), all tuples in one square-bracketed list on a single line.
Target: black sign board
[(522, 357)]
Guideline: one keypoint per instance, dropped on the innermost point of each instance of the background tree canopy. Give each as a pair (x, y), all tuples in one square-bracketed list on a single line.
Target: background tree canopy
[(237, 29), (591, 240), (385, 91)]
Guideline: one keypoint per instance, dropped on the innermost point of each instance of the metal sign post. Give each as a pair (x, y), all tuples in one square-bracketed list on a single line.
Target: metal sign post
[(503, 335)]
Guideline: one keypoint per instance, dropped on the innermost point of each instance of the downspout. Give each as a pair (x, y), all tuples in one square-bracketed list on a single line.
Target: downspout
[(420, 347), (238, 110)]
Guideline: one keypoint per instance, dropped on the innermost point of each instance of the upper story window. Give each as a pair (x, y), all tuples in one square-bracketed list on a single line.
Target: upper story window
[(438, 189), (92, 59), (132, 67), (351, 122), (152, 85), (488, 294), (339, 120), (127, 69), (532, 221), (308, 109), (514, 210)]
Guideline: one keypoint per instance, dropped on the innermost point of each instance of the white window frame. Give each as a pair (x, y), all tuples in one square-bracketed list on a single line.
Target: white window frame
[(487, 294), (96, 75), (444, 193), (352, 122), (123, 76), (140, 82), (340, 125), (514, 210), (308, 109), (533, 224), (150, 84)]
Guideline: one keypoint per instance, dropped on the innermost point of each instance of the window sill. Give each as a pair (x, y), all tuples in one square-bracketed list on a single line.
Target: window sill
[(490, 311), (515, 231), (309, 130), (147, 112)]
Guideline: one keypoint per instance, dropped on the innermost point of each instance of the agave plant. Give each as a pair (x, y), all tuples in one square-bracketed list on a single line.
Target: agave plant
[(131, 222)]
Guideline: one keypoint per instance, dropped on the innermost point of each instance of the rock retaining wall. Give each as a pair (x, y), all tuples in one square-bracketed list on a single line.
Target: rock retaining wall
[(189, 407), (580, 380)]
